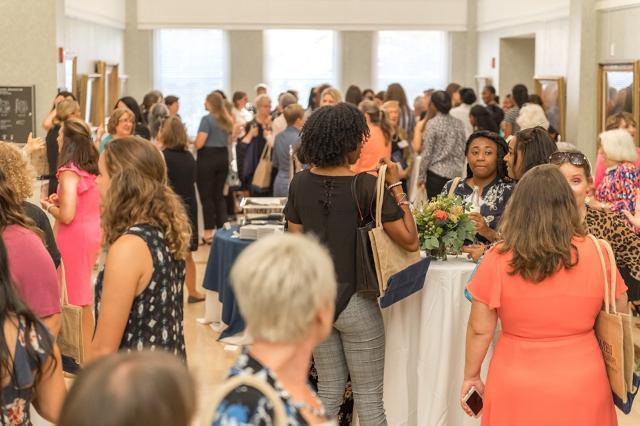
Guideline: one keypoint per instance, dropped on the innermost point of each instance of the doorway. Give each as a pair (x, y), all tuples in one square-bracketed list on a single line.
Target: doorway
[(517, 62)]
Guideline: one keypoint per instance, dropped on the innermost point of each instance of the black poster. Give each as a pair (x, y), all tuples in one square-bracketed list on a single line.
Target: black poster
[(17, 113)]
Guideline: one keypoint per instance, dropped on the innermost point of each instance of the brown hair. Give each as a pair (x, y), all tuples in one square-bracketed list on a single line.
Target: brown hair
[(18, 172), (11, 211), (217, 108), (377, 117), (293, 113), (173, 134), (65, 109), (78, 148), (614, 121), (539, 223), (139, 194), (115, 118), (395, 92), (144, 388)]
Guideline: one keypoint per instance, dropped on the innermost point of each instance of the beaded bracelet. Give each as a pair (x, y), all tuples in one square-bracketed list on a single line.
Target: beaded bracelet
[(393, 185)]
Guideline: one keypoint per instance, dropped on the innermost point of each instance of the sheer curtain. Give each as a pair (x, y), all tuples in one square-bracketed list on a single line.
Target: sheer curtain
[(415, 59), (190, 63), (299, 60)]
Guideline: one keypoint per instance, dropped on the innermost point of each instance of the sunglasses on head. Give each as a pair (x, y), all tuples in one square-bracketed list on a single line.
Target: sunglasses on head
[(577, 159)]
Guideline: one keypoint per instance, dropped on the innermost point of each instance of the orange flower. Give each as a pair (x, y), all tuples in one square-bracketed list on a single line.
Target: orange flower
[(440, 215)]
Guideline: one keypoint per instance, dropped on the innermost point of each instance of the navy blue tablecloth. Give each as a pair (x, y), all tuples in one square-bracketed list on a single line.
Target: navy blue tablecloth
[(224, 252)]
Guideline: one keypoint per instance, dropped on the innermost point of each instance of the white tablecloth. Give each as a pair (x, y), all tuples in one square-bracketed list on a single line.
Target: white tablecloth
[(425, 343)]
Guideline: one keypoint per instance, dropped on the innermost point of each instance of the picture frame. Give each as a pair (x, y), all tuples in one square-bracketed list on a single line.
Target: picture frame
[(86, 95), (618, 91), (552, 91)]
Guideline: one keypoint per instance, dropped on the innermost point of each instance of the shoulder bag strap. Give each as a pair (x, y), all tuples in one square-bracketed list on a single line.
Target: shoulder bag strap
[(609, 302), (279, 411), (64, 301), (454, 185), (354, 193), (380, 194)]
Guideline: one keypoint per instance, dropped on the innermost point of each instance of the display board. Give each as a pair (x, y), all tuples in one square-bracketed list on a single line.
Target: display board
[(17, 113)]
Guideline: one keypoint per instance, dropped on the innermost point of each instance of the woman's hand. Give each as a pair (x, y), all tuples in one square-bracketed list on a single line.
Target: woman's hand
[(33, 144), (475, 251), (393, 173), (100, 133), (634, 218), (466, 386), (481, 224)]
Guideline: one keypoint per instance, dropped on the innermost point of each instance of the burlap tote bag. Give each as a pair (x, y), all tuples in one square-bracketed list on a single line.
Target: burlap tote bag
[(70, 337), (262, 175), (614, 333), (388, 256), (280, 414)]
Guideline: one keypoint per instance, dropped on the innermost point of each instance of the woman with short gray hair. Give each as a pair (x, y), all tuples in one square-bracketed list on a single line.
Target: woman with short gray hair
[(286, 289)]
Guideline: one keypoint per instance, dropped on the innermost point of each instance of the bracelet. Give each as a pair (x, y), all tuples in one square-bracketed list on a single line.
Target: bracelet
[(404, 203), (403, 197), (394, 185), (49, 208)]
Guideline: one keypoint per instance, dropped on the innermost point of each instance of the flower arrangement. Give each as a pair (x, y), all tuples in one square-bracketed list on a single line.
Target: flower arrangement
[(443, 226)]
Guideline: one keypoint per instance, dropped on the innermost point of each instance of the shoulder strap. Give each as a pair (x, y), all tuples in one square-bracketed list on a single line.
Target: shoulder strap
[(229, 385), (609, 281), (380, 194), (454, 185)]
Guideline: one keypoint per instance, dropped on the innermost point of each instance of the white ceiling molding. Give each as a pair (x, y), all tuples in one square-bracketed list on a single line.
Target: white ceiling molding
[(616, 4), (552, 14)]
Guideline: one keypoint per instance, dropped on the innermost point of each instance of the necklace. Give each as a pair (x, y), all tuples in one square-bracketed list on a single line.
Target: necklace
[(317, 412)]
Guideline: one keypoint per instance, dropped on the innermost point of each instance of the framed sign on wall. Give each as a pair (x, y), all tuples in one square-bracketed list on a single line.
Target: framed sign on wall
[(17, 113)]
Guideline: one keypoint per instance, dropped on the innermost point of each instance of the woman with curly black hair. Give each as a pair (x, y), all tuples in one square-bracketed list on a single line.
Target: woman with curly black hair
[(321, 202), (487, 179)]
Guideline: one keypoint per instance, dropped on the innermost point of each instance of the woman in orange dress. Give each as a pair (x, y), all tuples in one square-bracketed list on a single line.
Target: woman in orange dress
[(378, 145), (546, 285)]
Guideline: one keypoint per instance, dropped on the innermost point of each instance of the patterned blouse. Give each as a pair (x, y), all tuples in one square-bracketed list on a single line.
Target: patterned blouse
[(248, 406), (156, 317), (443, 147), (19, 392), (493, 199), (619, 186)]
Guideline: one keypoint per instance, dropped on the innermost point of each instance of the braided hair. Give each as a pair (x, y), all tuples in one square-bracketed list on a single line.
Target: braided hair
[(502, 149), (331, 133)]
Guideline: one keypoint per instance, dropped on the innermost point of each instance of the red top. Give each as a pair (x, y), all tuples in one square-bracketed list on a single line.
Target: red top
[(373, 150), (32, 270)]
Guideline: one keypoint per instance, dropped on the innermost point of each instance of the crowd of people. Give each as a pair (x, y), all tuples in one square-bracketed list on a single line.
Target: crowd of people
[(127, 194)]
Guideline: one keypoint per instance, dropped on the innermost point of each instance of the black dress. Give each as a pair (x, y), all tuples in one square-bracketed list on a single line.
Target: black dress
[(181, 170), (52, 157), (156, 318)]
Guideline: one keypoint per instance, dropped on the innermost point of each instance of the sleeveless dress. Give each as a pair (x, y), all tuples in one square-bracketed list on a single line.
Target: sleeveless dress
[(156, 318), (18, 393), (547, 368), (79, 242)]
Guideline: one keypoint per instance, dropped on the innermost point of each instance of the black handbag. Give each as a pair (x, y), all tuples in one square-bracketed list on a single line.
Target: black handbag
[(366, 276)]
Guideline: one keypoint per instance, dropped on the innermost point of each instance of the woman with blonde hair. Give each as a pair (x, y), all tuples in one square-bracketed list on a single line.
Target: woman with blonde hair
[(214, 136), (545, 282), (378, 145), (330, 96), (122, 122), (67, 108), (617, 190), (258, 133), (181, 171), (146, 233), (76, 209)]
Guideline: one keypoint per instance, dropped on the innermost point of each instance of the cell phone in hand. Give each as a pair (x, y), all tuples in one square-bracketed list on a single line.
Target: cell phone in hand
[(473, 399)]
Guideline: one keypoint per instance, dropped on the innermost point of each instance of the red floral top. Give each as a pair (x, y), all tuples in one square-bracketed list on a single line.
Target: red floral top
[(619, 187)]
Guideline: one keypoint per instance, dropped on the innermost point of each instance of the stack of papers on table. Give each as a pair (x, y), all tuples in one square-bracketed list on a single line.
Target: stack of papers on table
[(255, 232)]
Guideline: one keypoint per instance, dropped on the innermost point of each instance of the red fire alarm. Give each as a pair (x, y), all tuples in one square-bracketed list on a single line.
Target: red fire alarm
[(493, 62), (60, 55)]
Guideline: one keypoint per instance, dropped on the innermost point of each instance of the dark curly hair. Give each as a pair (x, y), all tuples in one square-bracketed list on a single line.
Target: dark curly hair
[(331, 133)]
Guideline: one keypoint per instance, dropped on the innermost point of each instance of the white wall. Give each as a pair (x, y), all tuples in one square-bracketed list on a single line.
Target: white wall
[(110, 12), (618, 32), (333, 14), (496, 14), (92, 42)]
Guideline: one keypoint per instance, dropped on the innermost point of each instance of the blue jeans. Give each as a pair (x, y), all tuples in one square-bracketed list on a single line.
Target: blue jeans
[(356, 347)]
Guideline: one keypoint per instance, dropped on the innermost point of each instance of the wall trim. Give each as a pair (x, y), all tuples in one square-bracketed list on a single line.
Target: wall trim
[(547, 15), (83, 14), (318, 26), (616, 4)]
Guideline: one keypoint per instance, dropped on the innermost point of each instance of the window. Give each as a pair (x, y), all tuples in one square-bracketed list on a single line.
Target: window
[(299, 60), (190, 63), (415, 59)]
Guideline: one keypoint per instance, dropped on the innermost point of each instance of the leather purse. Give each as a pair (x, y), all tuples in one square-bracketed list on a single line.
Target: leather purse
[(262, 175)]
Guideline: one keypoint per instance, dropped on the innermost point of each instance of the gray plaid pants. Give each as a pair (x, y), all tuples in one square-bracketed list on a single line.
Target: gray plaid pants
[(356, 347)]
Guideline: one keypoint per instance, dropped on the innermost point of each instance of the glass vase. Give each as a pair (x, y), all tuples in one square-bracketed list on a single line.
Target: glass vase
[(439, 253)]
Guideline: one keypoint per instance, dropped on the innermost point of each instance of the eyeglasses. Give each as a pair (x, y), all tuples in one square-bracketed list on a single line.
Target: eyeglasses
[(574, 158)]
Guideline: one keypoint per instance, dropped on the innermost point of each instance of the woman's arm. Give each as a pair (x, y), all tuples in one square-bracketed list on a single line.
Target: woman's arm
[(200, 139), (402, 231), (128, 266), (50, 389), (65, 210), (295, 228), (416, 142)]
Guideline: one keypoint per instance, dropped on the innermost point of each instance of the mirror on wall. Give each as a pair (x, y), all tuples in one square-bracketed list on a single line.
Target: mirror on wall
[(551, 90), (618, 85)]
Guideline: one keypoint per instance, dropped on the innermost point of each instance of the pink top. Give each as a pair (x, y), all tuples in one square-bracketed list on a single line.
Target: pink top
[(373, 150), (32, 270), (601, 168)]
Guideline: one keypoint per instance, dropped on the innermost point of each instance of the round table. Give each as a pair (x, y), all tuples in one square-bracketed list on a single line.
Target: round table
[(225, 249), (425, 348)]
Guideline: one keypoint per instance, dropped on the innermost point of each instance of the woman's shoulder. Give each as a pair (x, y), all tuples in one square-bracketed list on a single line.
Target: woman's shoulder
[(74, 169)]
